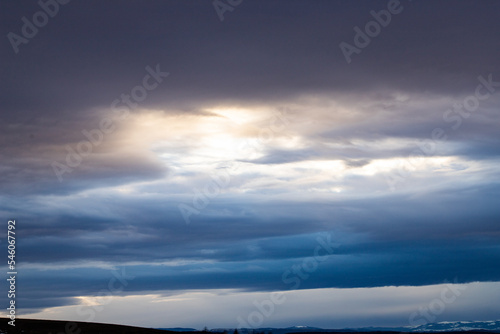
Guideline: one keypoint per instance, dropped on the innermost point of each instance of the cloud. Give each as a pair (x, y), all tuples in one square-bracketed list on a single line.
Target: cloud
[(395, 240)]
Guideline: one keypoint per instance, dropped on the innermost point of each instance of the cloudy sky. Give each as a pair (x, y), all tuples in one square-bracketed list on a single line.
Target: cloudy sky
[(252, 163)]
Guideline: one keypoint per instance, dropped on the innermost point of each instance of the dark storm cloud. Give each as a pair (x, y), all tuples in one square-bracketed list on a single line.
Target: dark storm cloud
[(91, 52), (387, 241), (143, 229), (379, 266)]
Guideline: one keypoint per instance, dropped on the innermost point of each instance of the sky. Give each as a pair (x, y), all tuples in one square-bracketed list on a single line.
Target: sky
[(251, 163)]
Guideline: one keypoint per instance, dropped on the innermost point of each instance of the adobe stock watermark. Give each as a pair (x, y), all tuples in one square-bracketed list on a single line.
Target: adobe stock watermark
[(372, 29), (437, 306), (29, 29), (295, 275), (121, 110), (455, 115), (222, 6), (222, 177), (115, 285)]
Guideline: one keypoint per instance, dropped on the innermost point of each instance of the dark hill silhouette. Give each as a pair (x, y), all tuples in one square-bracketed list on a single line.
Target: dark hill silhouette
[(30, 326)]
